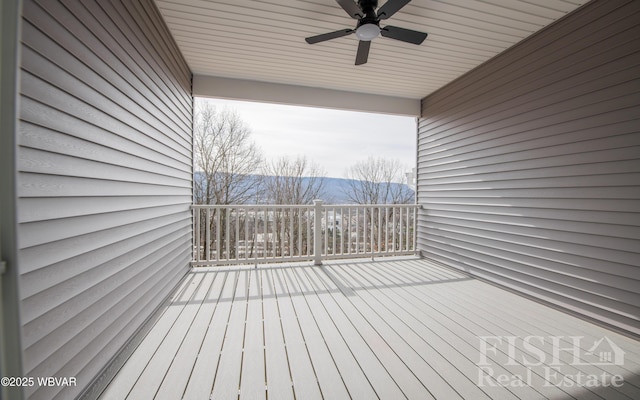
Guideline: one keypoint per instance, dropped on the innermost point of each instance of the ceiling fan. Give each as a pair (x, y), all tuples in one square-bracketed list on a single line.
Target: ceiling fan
[(368, 27)]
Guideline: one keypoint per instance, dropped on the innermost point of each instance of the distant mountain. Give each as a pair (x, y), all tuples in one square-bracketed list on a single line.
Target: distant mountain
[(334, 189)]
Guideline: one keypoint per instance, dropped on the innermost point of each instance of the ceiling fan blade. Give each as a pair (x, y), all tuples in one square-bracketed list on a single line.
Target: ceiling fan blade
[(404, 35), (363, 52), (351, 8), (329, 36), (391, 7)]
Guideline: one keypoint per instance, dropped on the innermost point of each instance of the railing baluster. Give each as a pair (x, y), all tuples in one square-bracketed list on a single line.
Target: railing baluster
[(300, 213), (246, 234), (270, 233), (325, 231), (235, 229), (217, 214), (260, 243), (400, 231), (334, 231), (393, 230), (368, 245), (386, 229), (265, 237), (265, 233), (349, 237), (197, 236), (357, 230), (379, 247), (227, 235), (309, 232), (254, 240), (408, 225), (249, 233), (339, 231), (274, 232), (291, 236), (274, 235), (353, 230), (283, 231), (415, 229), (317, 232), (207, 235)]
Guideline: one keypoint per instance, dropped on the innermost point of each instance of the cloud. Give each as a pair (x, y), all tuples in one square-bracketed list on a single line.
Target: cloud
[(333, 139)]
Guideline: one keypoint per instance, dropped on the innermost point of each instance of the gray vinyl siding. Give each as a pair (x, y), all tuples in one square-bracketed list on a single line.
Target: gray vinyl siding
[(104, 181), (529, 166)]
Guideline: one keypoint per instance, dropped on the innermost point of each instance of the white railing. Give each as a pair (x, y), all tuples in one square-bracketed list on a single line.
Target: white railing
[(232, 234)]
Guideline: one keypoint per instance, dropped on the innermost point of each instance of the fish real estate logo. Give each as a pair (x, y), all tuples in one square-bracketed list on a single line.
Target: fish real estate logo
[(561, 361)]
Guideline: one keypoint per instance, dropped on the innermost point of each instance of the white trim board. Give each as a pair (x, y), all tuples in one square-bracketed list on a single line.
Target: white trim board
[(248, 90)]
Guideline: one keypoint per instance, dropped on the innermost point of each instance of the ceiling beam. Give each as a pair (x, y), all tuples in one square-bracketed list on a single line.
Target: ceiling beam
[(249, 90)]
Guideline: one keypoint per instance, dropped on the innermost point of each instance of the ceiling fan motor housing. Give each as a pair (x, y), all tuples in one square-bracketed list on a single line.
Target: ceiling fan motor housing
[(368, 27), (368, 7)]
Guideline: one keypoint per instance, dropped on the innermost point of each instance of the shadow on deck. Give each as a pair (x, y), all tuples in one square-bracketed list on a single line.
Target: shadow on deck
[(365, 330)]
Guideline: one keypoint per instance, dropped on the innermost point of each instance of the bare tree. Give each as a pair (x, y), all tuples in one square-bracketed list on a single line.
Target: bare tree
[(226, 159), (377, 180), (293, 181), (226, 162)]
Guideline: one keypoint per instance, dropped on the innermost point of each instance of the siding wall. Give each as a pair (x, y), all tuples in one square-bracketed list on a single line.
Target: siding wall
[(529, 166), (104, 181)]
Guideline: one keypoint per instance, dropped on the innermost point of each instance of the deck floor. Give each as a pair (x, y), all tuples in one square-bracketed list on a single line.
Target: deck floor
[(365, 330)]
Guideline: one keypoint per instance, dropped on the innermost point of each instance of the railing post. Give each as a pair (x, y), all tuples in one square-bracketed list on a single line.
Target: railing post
[(317, 232)]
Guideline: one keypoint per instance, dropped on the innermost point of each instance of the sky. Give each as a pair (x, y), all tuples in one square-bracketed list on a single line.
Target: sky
[(333, 139)]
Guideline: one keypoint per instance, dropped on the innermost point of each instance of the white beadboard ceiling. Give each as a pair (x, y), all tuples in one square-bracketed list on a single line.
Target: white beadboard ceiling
[(263, 40)]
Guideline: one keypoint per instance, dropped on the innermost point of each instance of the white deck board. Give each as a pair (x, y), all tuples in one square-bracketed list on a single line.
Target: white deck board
[(253, 380), (278, 373), (389, 374), (317, 342), (227, 381), (472, 304), (154, 373), (206, 365), (538, 319), (489, 319), (465, 332), (345, 345), (303, 375), (126, 378), (411, 347), (453, 358), (360, 330), (176, 379), (383, 384)]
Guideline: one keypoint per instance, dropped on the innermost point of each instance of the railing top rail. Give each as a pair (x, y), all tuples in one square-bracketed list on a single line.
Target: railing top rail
[(251, 206), (372, 205)]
